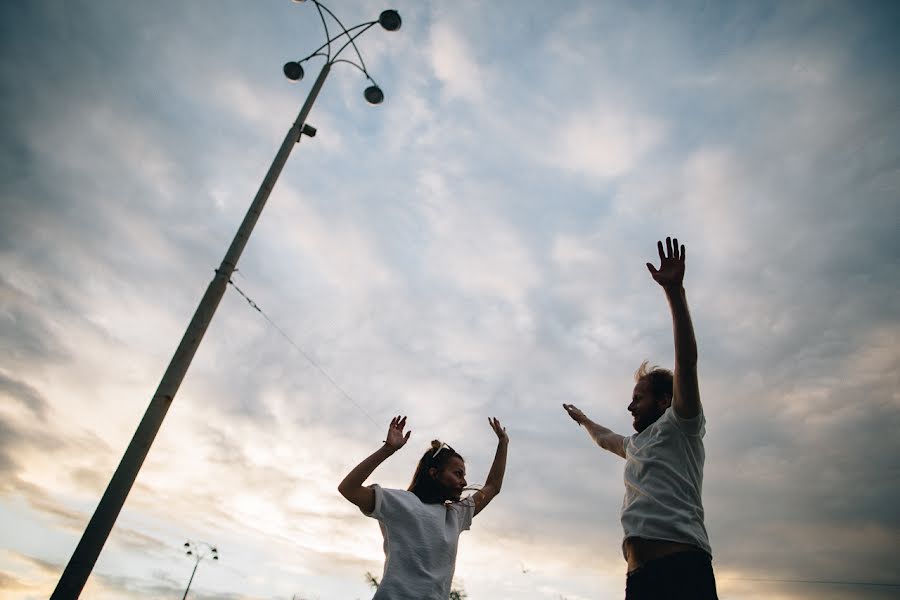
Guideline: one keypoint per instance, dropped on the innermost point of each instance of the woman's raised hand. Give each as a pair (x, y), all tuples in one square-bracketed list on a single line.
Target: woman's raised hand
[(395, 437), (499, 429)]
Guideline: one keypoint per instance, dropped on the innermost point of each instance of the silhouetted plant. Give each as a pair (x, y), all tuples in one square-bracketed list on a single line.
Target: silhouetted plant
[(371, 580), (458, 594)]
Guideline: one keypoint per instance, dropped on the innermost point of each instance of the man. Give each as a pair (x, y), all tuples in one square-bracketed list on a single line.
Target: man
[(665, 544)]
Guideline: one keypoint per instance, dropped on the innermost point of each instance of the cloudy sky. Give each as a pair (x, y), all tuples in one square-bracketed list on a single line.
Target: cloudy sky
[(474, 246)]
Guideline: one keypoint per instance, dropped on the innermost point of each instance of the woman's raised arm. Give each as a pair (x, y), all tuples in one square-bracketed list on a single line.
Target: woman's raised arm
[(352, 487), (495, 477)]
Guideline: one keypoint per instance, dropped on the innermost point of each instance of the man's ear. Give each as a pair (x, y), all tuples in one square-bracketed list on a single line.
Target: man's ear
[(432, 472), (666, 401)]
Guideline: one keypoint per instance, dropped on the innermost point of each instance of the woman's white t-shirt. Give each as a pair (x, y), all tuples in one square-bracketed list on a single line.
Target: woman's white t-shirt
[(420, 542)]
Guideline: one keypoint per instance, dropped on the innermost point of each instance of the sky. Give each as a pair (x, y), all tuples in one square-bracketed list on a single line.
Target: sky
[(472, 247)]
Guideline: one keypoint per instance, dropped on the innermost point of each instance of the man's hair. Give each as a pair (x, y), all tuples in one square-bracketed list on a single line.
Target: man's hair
[(423, 484), (659, 379)]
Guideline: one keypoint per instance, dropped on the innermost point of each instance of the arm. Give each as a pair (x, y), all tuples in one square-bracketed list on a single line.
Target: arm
[(605, 438), (494, 480), (352, 488), (670, 275)]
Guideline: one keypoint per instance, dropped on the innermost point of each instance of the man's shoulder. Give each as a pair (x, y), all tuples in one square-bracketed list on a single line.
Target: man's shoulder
[(695, 425), (665, 427)]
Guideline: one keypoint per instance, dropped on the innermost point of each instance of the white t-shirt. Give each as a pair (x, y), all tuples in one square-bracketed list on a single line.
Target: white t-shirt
[(664, 481), (420, 542)]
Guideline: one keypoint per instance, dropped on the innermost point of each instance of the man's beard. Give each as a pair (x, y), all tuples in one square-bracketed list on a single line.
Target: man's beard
[(643, 423)]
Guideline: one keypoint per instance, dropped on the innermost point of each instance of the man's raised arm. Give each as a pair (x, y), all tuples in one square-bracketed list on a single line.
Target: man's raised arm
[(670, 275), (605, 438)]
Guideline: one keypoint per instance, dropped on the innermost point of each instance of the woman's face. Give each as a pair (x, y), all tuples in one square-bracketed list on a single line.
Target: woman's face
[(452, 477)]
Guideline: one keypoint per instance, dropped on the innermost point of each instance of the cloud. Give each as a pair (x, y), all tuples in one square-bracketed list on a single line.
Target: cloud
[(10, 582), (473, 248), (454, 66), (604, 141), (24, 393)]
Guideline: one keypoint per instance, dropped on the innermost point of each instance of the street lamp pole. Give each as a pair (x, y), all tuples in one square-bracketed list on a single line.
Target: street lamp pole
[(87, 551), (197, 549), (196, 564)]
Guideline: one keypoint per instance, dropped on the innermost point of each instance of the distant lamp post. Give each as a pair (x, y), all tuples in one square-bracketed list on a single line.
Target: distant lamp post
[(199, 551), (79, 568)]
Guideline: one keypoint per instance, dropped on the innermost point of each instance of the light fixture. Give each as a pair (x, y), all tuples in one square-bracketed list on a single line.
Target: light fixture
[(293, 71), (374, 95), (390, 20)]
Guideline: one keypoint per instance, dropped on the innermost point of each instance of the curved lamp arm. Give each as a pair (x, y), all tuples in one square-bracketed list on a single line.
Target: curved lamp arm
[(389, 19)]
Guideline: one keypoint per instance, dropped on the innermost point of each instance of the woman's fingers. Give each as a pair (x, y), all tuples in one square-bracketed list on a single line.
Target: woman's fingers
[(499, 429)]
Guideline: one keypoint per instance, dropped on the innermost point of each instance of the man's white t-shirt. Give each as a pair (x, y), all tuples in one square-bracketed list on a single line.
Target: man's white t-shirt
[(420, 542), (664, 481)]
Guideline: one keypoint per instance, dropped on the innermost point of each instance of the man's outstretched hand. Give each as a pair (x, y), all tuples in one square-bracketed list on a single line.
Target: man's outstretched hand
[(575, 413), (670, 274)]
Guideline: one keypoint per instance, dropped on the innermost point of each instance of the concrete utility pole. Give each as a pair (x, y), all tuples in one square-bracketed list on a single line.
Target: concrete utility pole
[(88, 550)]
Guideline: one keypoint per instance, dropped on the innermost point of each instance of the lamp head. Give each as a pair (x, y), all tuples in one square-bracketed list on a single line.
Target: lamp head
[(293, 71), (390, 20), (374, 95)]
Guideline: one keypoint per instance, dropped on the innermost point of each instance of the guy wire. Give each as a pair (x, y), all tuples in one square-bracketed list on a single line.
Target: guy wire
[(308, 358)]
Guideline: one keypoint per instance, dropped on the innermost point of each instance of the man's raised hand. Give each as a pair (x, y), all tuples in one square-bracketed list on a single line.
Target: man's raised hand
[(671, 266), (395, 438)]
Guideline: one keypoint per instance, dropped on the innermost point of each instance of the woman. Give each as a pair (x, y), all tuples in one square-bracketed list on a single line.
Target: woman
[(421, 525)]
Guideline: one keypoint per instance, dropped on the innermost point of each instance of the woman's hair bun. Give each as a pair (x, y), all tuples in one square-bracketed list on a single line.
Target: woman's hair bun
[(435, 444)]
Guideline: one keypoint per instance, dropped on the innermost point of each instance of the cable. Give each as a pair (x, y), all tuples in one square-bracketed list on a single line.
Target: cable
[(301, 351), (814, 581)]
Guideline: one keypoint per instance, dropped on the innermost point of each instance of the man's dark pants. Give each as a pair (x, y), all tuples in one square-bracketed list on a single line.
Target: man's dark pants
[(681, 576)]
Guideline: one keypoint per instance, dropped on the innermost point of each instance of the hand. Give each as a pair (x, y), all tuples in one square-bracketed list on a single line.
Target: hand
[(499, 430), (395, 438), (577, 416), (671, 268)]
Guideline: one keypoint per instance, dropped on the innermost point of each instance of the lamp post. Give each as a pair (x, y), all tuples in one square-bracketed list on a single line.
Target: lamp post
[(199, 551), (84, 557)]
